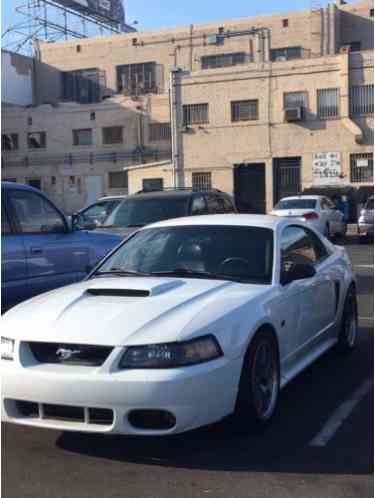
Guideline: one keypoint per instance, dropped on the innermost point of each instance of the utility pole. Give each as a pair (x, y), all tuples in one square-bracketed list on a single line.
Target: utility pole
[(175, 125)]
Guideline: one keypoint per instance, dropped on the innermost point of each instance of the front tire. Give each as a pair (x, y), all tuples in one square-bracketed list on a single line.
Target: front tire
[(259, 388), (348, 334)]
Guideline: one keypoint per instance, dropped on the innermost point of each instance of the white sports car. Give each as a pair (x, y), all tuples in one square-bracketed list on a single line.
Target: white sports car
[(186, 322)]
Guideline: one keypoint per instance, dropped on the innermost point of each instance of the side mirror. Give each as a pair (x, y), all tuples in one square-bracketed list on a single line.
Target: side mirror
[(298, 271)]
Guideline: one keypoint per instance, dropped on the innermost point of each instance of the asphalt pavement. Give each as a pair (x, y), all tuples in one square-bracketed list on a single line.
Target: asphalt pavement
[(319, 446)]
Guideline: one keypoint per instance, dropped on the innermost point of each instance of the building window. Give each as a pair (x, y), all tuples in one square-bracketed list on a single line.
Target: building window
[(328, 103), (195, 114), (371, 12), (37, 140), (361, 168), (285, 23), (355, 46), (118, 179), (201, 181), (362, 100), (223, 60), (82, 137), (84, 86), (137, 79), (295, 99), (152, 184), (29, 120), (92, 116), (286, 53), (159, 132), (9, 141), (244, 110), (112, 135)]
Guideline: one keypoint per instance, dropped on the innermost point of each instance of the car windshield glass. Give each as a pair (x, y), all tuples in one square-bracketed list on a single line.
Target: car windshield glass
[(370, 204), (140, 212), (225, 252), (296, 204)]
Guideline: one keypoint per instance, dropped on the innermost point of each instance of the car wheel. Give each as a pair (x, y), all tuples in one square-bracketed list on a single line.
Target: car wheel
[(259, 384), (348, 334)]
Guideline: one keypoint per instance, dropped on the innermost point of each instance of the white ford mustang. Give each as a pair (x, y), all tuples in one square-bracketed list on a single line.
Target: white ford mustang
[(186, 322)]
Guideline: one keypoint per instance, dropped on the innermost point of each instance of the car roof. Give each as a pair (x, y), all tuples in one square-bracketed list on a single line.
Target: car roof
[(111, 198), (21, 186), (254, 220)]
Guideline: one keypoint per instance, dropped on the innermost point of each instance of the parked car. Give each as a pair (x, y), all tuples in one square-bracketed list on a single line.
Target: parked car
[(317, 210), (93, 215), (186, 322), (366, 220), (39, 250), (144, 208)]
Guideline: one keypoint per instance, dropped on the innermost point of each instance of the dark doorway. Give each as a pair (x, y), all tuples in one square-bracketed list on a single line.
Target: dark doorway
[(250, 188), (286, 177)]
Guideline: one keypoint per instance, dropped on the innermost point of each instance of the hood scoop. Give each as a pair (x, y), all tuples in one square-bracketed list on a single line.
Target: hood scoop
[(118, 292), (138, 287)]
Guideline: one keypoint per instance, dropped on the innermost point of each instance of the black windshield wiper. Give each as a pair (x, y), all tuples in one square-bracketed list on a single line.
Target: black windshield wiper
[(117, 272), (185, 272)]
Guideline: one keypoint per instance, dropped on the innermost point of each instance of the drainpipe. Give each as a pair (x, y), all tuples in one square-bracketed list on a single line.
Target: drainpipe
[(174, 112)]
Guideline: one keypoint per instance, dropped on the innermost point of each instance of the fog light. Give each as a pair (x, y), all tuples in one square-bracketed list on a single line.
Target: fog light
[(153, 420)]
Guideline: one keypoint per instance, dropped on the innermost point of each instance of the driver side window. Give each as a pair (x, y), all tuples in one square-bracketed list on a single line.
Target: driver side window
[(300, 246), (35, 214)]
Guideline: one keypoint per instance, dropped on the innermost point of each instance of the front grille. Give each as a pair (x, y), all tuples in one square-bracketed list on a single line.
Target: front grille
[(70, 354), (46, 411)]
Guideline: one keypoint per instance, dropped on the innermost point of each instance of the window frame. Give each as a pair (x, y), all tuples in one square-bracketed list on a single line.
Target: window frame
[(201, 188), (125, 175), (75, 134), (164, 132), (327, 115), (361, 108), (104, 142), (44, 141), (212, 61), (187, 112), (315, 240), (285, 55), (305, 105), (14, 137), (250, 117), (132, 70), (17, 224)]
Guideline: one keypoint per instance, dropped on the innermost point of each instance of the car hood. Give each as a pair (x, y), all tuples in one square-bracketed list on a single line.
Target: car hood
[(93, 312)]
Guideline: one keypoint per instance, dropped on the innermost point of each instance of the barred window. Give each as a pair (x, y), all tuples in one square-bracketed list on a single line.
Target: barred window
[(295, 99), (112, 135), (362, 100), (286, 53), (361, 168), (223, 60), (201, 181), (9, 141), (244, 110), (82, 137), (37, 140), (195, 114), (159, 132), (328, 103), (118, 179), (137, 79)]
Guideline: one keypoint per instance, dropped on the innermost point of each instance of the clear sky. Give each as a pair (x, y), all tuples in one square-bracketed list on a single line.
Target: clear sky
[(168, 13)]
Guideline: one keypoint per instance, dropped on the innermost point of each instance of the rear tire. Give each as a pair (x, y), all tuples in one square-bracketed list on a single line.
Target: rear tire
[(348, 334), (259, 387)]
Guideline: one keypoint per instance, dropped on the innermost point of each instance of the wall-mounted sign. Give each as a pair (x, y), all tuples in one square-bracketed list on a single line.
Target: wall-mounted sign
[(362, 163), (110, 11), (326, 168)]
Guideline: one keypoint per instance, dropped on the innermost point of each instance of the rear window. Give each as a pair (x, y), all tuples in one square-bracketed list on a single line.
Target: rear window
[(296, 204), (140, 212)]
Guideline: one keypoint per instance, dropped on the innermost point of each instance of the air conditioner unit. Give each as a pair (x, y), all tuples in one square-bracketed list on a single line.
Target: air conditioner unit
[(293, 113)]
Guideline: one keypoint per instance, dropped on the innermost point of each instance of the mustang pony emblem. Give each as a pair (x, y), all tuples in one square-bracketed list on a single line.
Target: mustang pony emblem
[(65, 354)]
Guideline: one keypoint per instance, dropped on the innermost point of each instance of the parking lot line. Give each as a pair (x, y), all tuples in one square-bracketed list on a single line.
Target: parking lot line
[(363, 266), (340, 415)]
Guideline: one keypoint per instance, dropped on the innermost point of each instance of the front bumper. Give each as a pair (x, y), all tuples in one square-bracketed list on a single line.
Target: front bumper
[(196, 396)]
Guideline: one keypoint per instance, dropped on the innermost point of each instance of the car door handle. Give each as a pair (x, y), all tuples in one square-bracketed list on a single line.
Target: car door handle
[(36, 250)]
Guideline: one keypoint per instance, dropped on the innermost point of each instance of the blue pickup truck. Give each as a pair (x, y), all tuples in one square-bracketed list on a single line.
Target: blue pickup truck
[(40, 250)]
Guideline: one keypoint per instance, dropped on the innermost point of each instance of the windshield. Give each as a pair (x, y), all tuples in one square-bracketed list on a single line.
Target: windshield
[(225, 252), (296, 204), (370, 204), (140, 212)]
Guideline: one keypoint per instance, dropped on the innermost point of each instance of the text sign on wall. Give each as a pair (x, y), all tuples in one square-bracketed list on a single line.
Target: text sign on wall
[(326, 168)]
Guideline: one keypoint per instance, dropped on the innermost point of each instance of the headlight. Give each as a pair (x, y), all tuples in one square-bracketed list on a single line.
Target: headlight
[(7, 348), (172, 355)]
